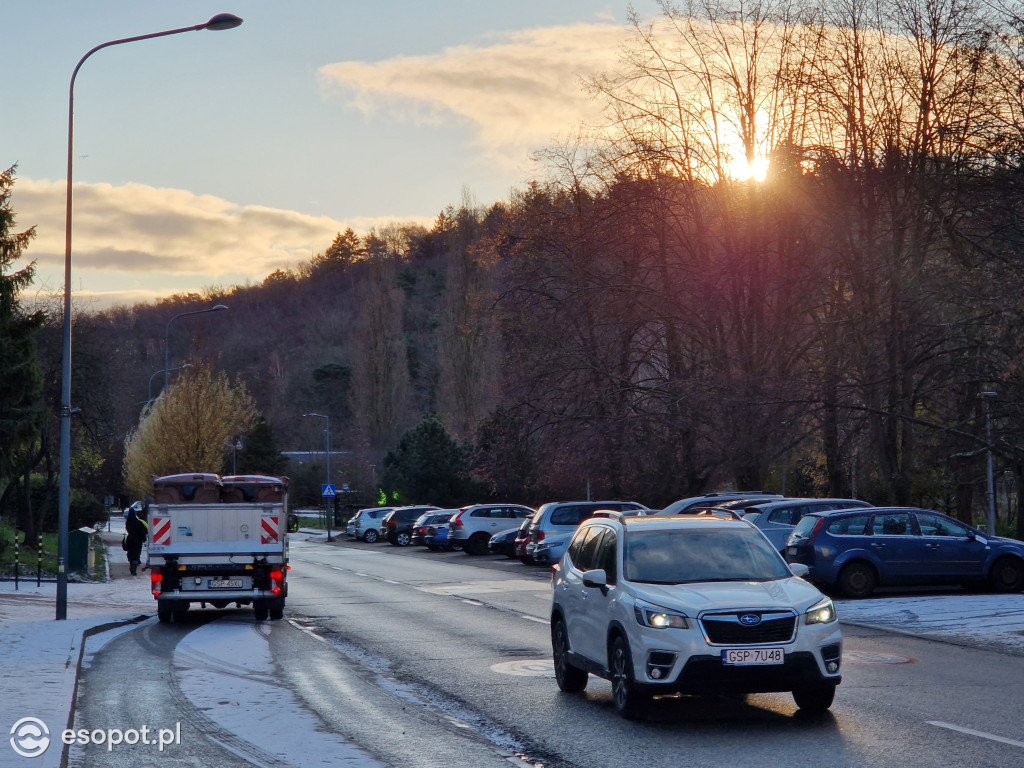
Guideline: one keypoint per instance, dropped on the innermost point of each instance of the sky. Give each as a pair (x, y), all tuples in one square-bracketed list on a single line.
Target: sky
[(211, 159)]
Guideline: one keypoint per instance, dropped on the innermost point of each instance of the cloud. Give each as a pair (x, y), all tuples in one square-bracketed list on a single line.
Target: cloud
[(127, 234), (517, 91)]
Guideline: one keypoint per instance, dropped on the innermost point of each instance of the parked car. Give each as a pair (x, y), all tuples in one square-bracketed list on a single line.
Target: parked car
[(437, 536), (503, 543), (522, 540), (776, 519), (427, 520), (695, 504), (396, 527), (366, 524), (856, 551), (554, 524), (694, 604), (473, 527)]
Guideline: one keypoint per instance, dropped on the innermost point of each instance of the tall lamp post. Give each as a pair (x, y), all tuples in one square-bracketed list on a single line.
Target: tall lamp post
[(218, 22), (149, 400), (987, 397), (167, 338), (327, 432)]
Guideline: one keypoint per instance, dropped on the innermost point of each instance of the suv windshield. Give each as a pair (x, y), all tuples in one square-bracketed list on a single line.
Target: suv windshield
[(689, 556)]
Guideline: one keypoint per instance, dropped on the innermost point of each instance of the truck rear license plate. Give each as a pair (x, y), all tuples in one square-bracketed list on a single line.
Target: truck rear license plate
[(742, 657), (224, 584)]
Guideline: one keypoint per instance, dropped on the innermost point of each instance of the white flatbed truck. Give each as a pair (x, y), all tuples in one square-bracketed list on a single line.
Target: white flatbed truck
[(218, 541)]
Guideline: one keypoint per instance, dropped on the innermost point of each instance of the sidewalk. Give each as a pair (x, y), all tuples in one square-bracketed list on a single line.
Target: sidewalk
[(41, 657)]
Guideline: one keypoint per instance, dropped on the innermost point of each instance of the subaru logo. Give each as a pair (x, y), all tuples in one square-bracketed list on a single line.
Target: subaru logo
[(750, 619)]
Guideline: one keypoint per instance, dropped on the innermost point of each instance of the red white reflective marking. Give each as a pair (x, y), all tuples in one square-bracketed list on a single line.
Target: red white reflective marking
[(161, 530), (269, 533)]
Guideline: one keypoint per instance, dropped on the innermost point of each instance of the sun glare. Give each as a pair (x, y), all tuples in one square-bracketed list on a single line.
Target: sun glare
[(756, 170)]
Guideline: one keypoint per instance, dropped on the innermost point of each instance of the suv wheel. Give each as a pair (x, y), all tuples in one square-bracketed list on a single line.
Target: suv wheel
[(857, 580), (477, 544), (629, 702), (370, 536), (402, 539), (814, 699), (569, 678)]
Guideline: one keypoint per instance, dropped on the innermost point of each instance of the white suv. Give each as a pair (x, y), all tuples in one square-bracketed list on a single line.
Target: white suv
[(473, 526), (697, 604)]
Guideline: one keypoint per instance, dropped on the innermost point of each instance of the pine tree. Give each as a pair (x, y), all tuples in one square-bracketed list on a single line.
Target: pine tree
[(21, 414), (260, 454)]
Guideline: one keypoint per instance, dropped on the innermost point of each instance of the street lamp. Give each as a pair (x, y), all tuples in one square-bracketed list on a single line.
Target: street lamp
[(327, 432), (987, 397), (167, 338), (218, 22), (157, 373)]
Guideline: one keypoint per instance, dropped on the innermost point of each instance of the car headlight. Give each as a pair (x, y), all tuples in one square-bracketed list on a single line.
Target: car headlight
[(821, 613), (658, 618)]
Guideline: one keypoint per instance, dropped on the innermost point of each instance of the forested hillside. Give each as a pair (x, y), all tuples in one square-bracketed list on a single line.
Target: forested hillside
[(644, 324)]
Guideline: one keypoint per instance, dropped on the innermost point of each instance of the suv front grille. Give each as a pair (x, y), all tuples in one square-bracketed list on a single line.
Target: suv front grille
[(728, 629)]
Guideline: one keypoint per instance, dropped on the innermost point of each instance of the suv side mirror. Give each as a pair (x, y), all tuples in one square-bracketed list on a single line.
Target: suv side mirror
[(596, 578), (799, 569)]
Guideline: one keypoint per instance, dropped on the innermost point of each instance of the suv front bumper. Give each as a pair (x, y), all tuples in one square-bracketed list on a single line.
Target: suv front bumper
[(707, 674)]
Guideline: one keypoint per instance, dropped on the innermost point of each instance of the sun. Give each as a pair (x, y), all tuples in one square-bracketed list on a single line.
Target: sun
[(755, 170)]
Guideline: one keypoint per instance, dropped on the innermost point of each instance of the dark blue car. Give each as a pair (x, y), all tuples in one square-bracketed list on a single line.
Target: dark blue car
[(856, 550)]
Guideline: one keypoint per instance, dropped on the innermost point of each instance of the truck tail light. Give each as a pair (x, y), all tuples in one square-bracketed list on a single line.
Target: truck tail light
[(276, 581), (156, 582)]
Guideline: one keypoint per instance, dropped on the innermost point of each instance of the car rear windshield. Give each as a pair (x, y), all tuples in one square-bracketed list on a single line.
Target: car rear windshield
[(692, 556)]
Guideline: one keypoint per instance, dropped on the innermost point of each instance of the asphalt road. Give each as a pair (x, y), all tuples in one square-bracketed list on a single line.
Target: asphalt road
[(427, 659)]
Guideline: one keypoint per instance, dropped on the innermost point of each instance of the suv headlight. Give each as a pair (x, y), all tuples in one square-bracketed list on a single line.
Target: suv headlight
[(658, 618), (821, 613)]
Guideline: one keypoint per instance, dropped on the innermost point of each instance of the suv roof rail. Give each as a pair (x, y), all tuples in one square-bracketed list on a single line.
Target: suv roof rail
[(719, 512), (610, 513)]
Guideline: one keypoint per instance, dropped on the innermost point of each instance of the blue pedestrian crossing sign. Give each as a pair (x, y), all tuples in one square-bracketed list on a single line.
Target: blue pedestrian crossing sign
[(327, 490)]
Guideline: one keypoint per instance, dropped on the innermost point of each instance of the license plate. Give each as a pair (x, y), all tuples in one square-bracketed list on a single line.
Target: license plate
[(742, 657), (224, 584)]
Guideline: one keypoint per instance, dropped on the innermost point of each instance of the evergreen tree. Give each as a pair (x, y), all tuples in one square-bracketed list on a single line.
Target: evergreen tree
[(21, 415), (428, 467), (260, 454)]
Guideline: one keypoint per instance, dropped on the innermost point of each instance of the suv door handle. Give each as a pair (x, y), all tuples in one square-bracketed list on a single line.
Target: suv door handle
[(877, 544)]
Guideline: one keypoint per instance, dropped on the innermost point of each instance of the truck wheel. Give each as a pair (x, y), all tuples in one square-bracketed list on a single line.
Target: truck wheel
[(261, 610), (180, 613), (277, 612), (164, 614)]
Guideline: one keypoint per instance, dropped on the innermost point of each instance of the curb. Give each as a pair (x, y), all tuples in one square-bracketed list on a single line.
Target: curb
[(80, 638)]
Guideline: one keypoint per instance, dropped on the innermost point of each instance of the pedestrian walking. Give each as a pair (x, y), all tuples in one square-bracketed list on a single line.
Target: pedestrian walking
[(135, 536)]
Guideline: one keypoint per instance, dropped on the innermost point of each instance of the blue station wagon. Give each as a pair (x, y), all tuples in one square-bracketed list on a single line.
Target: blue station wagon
[(857, 550)]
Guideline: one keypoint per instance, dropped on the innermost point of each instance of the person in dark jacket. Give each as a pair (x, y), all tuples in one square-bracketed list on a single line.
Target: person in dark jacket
[(136, 530)]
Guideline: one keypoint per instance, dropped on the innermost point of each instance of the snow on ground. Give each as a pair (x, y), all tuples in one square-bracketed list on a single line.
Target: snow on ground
[(246, 699), (39, 655), (990, 621)]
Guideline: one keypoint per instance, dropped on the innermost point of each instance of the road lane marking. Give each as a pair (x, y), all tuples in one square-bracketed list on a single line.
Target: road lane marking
[(534, 618), (979, 734)]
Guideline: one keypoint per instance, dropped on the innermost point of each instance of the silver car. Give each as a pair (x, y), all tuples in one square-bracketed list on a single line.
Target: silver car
[(365, 524)]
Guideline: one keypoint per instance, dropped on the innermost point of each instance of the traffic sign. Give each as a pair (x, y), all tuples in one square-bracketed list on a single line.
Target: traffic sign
[(327, 490)]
